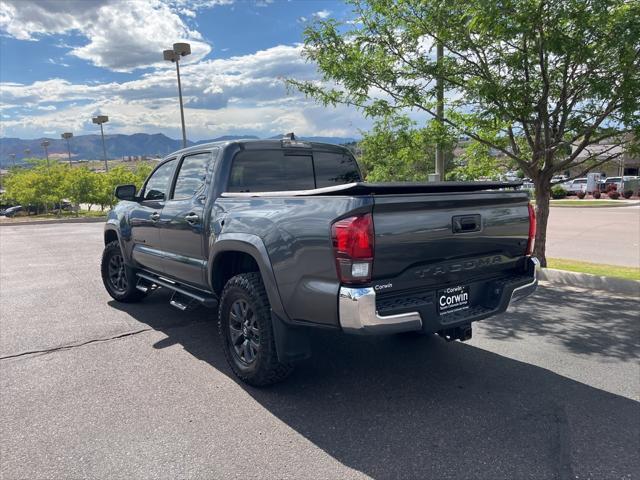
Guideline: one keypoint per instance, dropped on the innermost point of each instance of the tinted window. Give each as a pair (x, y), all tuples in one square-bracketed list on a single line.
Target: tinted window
[(158, 183), (334, 169), (270, 171), (192, 175)]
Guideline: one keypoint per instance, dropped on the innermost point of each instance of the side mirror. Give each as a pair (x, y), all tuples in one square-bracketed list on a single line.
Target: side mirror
[(126, 192)]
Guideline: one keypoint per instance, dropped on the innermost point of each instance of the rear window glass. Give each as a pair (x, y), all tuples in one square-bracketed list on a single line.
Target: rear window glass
[(334, 169), (274, 170)]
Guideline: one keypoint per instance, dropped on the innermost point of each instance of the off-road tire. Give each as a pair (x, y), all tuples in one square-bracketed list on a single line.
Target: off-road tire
[(264, 369), (128, 293)]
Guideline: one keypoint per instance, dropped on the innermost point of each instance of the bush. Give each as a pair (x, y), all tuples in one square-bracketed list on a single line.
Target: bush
[(628, 194), (557, 192), (597, 194), (580, 195), (614, 195), (612, 187)]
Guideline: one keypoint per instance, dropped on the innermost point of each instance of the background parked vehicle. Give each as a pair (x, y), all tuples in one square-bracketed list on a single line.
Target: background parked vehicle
[(12, 211), (574, 186)]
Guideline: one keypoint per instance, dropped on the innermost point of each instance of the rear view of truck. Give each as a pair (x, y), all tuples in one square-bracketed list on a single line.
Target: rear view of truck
[(433, 257)]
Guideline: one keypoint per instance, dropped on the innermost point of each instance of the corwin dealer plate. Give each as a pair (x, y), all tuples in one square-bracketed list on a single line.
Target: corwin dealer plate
[(453, 299)]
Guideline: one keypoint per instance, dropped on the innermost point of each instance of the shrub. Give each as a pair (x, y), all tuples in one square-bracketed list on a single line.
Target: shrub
[(596, 194), (612, 187), (581, 195), (558, 192), (628, 194), (614, 195)]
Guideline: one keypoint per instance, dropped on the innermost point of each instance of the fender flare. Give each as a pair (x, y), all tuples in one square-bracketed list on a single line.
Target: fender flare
[(253, 246)]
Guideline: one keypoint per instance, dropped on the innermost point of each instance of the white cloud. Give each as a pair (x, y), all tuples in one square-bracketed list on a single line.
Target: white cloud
[(119, 38), (322, 14), (238, 95)]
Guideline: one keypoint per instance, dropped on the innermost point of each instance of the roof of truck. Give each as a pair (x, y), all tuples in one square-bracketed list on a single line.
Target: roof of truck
[(256, 143)]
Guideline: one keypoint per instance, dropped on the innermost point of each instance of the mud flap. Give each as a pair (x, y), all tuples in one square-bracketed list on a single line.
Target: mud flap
[(292, 343)]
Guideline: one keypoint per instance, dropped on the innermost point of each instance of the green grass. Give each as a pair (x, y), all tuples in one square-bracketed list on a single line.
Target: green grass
[(55, 216), (588, 203), (629, 273)]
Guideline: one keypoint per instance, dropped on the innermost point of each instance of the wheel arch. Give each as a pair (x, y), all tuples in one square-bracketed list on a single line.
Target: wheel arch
[(233, 254)]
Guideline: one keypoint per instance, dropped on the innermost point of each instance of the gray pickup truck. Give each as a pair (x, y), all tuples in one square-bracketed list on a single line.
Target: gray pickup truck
[(283, 236)]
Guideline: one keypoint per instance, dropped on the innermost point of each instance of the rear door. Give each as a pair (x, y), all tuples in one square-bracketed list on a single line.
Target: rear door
[(147, 251), (183, 222)]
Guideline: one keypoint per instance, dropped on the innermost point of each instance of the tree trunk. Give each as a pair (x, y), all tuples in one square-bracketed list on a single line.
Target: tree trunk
[(543, 195)]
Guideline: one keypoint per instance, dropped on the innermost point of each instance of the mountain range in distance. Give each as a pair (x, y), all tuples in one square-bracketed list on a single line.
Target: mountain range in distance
[(89, 147)]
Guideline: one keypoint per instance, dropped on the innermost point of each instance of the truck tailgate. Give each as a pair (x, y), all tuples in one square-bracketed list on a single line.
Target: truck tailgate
[(440, 238)]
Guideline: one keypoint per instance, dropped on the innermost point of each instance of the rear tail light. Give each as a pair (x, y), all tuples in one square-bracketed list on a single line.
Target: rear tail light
[(353, 248), (532, 230)]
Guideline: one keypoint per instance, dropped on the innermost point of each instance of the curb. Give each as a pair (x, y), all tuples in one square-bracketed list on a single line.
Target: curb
[(54, 221), (619, 286)]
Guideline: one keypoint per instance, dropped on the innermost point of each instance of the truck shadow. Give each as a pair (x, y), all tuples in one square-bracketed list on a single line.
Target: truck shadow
[(395, 407), (583, 321)]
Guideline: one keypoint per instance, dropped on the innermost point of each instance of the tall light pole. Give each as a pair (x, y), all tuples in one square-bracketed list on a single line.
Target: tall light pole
[(100, 119), (439, 111), (179, 50), (13, 159), (67, 136), (45, 144)]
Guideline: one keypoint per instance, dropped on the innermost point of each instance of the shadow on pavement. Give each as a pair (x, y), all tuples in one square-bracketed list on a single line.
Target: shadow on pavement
[(575, 319), (394, 407)]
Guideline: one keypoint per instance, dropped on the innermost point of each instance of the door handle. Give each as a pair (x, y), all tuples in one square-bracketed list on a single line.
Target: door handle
[(155, 216), (192, 218)]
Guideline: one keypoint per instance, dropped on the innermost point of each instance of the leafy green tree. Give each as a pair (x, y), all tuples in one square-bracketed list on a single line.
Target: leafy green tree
[(477, 162), (552, 77), (80, 185), (395, 150)]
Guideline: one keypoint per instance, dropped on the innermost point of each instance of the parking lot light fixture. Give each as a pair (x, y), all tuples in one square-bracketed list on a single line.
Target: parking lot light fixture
[(100, 119), (179, 50), (67, 136), (45, 144)]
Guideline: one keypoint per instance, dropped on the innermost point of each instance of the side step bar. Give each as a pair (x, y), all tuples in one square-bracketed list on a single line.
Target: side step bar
[(206, 299)]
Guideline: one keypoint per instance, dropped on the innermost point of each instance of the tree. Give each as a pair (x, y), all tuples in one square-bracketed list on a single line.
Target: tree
[(80, 185), (396, 150), (551, 77), (477, 162)]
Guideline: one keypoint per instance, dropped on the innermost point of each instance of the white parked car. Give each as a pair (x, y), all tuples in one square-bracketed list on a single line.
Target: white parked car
[(574, 186)]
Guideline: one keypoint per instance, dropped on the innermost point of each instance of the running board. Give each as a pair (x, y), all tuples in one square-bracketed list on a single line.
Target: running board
[(206, 299)]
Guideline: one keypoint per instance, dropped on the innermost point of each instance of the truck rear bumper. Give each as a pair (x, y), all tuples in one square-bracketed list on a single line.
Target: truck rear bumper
[(359, 312)]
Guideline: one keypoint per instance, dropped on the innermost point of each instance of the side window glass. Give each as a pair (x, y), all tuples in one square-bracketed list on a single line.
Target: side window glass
[(157, 185), (192, 175)]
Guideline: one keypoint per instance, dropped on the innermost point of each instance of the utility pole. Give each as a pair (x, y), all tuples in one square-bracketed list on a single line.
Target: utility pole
[(67, 136), (45, 144), (179, 50), (439, 110), (100, 119)]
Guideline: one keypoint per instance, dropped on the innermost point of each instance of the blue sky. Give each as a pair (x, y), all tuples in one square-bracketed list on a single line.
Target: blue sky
[(62, 61)]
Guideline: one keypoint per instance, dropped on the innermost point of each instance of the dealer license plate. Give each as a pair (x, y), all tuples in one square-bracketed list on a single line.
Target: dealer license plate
[(453, 299)]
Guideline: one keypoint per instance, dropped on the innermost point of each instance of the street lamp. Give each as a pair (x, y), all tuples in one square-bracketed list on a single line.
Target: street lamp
[(100, 119), (179, 50), (45, 144), (67, 136)]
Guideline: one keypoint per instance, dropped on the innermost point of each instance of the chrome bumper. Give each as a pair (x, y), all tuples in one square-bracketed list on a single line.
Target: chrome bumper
[(358, 314), (524, 291)]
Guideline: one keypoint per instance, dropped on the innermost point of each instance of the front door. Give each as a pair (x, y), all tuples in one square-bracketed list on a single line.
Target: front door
[(182, 221), (144, 219)]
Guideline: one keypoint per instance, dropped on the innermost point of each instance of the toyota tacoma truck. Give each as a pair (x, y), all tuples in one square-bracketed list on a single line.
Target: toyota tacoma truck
[(281, 237)]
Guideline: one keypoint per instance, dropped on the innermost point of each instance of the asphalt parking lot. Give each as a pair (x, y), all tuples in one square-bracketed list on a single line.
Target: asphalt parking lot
[(94, 389), (599, 235)]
